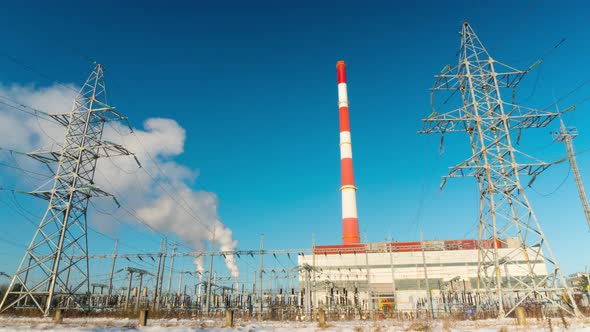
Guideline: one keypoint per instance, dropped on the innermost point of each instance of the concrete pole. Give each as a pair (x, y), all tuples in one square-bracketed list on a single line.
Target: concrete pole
[(426, 275), (312, 291), (270, 292), (180, 281), (208, 295), (253, 297), (171, 269), (183, 295), (369, 292), (110, 289), (308, 295), (164, 254), (393, 290), (291, 283), (158, 272), (128, 290), (199, 298), (261, 271), (215, 284), (139, 292)]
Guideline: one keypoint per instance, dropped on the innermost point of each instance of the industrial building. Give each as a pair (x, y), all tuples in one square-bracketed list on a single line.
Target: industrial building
[(405, 276), (397, 275)]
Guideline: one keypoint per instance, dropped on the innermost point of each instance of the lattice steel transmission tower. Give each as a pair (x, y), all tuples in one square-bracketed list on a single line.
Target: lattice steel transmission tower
[(567, 135), (516, 264), (54, 271)]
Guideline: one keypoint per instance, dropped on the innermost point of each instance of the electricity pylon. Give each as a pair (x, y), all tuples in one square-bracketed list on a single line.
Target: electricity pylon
[(567, 135), (505, 213), (54, 271)]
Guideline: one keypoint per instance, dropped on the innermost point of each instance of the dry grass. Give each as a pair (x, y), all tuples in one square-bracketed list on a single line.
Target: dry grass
[(503, 329), (448, 324), (420, 325)]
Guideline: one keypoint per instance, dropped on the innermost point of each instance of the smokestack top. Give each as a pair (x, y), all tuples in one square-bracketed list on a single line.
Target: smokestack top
[(341, 69)]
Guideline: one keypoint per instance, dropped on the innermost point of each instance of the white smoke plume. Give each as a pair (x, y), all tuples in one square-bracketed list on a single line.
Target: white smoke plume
[(160, 194)]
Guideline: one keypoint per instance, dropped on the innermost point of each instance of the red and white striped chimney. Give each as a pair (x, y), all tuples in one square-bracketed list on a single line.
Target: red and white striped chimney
[(350, 225)]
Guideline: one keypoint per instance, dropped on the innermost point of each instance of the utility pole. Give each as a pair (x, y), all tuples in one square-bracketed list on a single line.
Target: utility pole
[(567, 135), (473, 90), (270, 289), (159, 271), (307, 294), (164, 254), (128, 290), (428, 292), (214, 279), (312, 292), (132, 270), (208, 295), (110, 290), (254, 284), (393, 290), (261, 271), (138, 300), (369, 291), (180, 281), (171, 268)]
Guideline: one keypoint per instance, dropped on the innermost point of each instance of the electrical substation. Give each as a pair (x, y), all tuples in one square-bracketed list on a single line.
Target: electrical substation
[(509, 265)]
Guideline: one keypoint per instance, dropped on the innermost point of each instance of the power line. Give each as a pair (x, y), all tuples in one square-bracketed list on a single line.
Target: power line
[(25, 171), (12, 243), (35, 71), (114, 217), (32, 110), (557, 188)]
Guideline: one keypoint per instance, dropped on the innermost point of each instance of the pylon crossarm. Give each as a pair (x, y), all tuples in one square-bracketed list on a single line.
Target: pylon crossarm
[(532, 119), (109, 149), (106, 113), (462, 120), (101, 150), (45, 156), (449, 122), (452, 80), (86, 191), (469, 169)]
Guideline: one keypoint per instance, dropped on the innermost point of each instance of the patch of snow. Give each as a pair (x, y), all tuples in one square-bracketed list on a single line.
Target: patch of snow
[(22, 324)]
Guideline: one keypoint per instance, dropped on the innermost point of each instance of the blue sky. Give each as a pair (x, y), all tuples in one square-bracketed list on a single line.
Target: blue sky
[(254, 85)]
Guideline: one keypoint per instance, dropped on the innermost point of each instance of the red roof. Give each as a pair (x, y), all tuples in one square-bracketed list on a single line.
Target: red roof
[(403, 246)]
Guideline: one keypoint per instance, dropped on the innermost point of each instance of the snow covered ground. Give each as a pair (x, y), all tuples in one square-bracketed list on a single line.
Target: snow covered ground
[(174, 325)]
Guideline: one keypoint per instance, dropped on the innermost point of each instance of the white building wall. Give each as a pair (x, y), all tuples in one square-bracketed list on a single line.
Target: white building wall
[(348, 270)]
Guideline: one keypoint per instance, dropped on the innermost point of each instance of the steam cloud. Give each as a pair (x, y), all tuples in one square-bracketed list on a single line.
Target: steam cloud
[(165, 201)]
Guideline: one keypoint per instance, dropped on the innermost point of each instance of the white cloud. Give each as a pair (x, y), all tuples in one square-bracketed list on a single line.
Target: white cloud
[(165, 202)]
